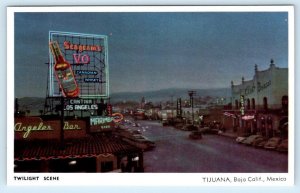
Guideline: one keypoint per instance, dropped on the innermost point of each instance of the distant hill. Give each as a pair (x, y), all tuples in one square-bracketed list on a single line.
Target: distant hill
[(32, 104), (35, 104), (166, 94)]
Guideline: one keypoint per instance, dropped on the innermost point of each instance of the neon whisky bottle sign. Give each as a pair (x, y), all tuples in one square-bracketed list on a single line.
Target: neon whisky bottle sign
[(63, 72)]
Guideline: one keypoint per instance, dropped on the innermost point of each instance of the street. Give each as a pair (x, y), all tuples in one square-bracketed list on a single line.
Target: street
[(175, 152)]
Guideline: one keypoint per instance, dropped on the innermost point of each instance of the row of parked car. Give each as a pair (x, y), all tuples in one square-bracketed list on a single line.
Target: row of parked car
[(275, 143), (134, 136)]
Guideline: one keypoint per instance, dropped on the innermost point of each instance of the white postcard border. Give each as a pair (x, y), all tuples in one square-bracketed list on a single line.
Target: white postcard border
[(147, 179)]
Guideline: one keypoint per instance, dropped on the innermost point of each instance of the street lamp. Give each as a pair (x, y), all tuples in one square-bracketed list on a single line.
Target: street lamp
[(191, 94)]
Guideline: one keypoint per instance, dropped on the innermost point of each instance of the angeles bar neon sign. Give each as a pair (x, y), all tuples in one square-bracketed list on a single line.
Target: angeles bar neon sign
[(81, 48), (28, 129)]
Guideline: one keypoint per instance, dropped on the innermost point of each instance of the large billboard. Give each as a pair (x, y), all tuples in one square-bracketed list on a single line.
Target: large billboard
[(88, 56)]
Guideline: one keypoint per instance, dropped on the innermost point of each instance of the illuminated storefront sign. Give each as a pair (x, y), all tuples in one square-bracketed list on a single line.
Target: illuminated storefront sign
[(28, 128), (117, 117), (242, 109), (88, 56), (248, 117), (101, 123), (80, 104)]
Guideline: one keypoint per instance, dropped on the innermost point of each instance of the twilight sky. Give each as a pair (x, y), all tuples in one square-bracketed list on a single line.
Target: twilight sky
[(152, 51)]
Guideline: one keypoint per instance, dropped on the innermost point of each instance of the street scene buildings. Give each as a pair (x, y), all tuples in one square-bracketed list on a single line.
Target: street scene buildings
[(130, 102)]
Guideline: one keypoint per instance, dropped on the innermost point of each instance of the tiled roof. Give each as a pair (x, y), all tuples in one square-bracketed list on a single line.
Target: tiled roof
[(91, 146)]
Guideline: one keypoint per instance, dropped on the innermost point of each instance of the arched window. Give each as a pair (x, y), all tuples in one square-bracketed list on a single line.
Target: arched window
[(265, 103), (253, 103), (248, 104), (285, 102)]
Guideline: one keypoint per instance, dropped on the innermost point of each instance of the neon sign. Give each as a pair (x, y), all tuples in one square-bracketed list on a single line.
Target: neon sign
[(117, 117), (101, 123), (81, 59), (28, 129), (242, 105), (63, 72), (81, 48), (91, 80), (85, 72), (88, 56)]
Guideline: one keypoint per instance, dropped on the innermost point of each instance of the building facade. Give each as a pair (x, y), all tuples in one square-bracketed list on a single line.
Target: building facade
[(260, 105), (76, 146)]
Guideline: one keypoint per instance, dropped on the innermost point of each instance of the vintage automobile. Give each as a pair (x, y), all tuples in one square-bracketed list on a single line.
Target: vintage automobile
[(240, 139), (195, 135), (251, 139), (272, 143), (283, 146), (259, 142), (189, 127), (140, 141)]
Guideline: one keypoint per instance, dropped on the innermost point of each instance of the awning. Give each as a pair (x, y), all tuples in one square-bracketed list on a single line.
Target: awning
[(248, 117), (91, 146), (229, 115)]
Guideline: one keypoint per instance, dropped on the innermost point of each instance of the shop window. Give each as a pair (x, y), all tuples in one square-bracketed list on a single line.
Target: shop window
[(106, 166), (248, 104), (263, 126), (270, 127), (253, 103), (265, 103), (285, 102)]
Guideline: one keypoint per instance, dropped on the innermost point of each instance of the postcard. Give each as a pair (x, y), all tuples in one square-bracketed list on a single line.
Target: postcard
[(150, 95)]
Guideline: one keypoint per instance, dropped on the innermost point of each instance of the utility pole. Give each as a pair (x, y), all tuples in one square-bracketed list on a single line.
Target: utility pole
[(191, 94), (172, 117), (62, 123)]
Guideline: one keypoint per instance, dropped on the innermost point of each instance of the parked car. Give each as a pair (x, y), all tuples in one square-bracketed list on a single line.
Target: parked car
[(259, 142), (272, 143), (240, 139), (283, 146), (204, 130), (189, 127), (195, 135), (140, 142), (252, 138), (208, 130)]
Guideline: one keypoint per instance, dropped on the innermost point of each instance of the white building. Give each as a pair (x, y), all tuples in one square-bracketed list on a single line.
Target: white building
[(260, 105)]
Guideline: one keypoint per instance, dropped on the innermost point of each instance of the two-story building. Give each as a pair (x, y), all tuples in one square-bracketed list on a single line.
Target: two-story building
[(260, 105)]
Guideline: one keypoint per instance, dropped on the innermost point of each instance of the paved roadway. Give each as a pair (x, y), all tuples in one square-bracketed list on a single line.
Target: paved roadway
[(175, 152)]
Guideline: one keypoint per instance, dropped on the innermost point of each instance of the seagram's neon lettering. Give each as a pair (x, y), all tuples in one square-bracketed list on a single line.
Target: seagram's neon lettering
[(78, 47)]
